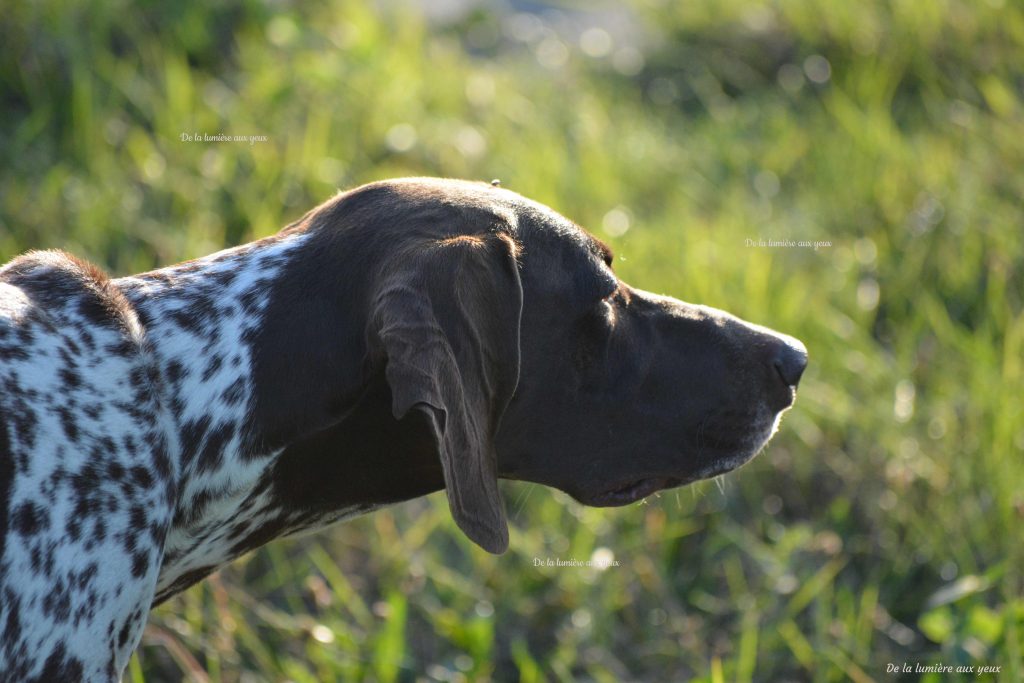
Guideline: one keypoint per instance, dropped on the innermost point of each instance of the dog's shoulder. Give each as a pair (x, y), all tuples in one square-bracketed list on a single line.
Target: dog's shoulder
[(54, 289), (70, 345), (66, 331)]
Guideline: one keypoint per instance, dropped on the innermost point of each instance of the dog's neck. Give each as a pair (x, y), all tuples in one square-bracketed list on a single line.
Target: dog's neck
[(207, 322), (199, 317)]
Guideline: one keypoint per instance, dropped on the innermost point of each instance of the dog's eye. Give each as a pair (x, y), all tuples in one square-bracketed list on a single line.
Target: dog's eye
[(606, 286), (616, 299), (609, 298)]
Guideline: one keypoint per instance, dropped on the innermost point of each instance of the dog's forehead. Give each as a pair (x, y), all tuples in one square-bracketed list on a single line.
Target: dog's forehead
[(526, 218), (542, 225), (548, 239), (539, 222), (561, 250)]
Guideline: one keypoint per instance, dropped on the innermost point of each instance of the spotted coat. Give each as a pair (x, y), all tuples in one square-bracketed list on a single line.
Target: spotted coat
[(126, 466)]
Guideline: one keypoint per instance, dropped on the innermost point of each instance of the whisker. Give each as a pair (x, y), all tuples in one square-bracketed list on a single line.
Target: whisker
[(521, 500)]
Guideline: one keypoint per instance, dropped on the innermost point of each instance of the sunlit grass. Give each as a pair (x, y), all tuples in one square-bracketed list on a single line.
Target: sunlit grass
[(882, 524)]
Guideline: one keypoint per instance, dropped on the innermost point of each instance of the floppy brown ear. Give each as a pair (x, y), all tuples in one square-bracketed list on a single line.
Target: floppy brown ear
[(448, 321)]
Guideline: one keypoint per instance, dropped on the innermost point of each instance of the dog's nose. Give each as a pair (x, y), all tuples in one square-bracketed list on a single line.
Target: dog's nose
[(790, 360)]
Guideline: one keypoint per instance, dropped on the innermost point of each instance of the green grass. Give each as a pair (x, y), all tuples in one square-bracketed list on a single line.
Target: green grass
[(883, 523)]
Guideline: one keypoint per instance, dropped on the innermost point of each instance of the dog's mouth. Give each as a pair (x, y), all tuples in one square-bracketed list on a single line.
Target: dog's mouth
[(724, 451), (634, 490)]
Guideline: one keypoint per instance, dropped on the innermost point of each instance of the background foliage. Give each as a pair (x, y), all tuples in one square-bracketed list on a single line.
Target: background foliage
[(883, 524)]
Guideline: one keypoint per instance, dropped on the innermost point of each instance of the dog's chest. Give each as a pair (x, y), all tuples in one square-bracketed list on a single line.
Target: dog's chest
[(231, 526)]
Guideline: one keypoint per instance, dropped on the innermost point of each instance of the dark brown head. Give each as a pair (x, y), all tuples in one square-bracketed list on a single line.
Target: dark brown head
[(505, 346)]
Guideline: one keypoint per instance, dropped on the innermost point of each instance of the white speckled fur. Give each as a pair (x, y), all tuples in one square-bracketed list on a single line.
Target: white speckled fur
[(81, 570)]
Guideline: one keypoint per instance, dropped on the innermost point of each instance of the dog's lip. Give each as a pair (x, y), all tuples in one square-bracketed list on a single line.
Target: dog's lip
[(635, 489)]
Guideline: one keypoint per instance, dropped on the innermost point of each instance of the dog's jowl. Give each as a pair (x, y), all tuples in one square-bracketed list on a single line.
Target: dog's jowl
[(404, 337)]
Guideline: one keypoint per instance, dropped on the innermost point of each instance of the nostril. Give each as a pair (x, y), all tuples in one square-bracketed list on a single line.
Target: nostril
[(790, 362)]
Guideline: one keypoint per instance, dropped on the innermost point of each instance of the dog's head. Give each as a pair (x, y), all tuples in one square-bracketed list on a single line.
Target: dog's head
[(506, 324), (497, 341)]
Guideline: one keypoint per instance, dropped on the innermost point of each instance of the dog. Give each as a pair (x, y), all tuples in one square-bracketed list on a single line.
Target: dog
[(404, 337)]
